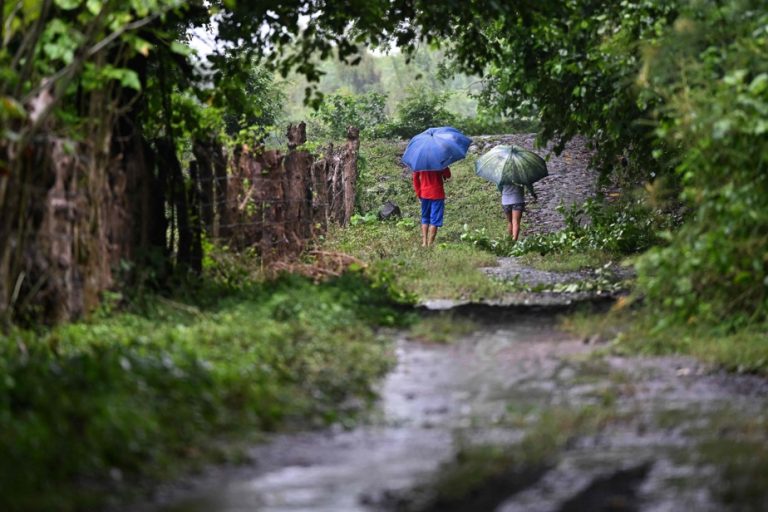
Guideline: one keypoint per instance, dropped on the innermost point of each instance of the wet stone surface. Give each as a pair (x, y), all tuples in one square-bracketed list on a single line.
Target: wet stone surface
[(492, 387)]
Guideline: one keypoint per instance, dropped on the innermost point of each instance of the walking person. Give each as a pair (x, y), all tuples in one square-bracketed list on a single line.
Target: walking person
[(428, 186), (513, 203), (511, 168)]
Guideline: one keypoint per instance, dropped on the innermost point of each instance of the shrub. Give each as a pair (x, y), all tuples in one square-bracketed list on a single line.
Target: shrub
[(365, 111), (716, 268), (484, 124), (627, 227), (420, 110), (130, 394)]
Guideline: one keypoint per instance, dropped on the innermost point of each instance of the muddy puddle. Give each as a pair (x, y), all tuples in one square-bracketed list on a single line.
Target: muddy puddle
[(655, 434)]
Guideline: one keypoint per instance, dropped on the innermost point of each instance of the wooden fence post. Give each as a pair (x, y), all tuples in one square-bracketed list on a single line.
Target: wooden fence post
[(350, 172), (297, 166), (221, 180)]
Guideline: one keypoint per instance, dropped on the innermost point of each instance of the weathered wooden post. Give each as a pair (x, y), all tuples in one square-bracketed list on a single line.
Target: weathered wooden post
[(297, 166), (320, 197), (196, 223), (350, 172), (222, 207), (272, 196)]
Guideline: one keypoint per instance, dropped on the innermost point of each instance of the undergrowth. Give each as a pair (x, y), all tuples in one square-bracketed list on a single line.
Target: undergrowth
[(130, 394)]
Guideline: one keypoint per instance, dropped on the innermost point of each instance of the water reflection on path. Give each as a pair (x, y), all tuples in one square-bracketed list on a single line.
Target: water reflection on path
[(436, 393), (484, 389)]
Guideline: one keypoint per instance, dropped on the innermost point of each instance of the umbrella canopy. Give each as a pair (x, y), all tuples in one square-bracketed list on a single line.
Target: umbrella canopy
[(511, 165), (435, 149)]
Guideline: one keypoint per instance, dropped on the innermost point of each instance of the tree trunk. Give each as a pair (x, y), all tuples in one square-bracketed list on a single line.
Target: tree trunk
[(167, 159), (203, 155), (222, 227)]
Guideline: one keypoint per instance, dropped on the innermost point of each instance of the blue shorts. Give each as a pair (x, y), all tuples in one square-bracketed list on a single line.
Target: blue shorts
[(432, 211)]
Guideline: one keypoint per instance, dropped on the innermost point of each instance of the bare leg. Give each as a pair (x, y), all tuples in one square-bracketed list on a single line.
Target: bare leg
[(517, 216), (424, 230), (432, 235), (509, 222)]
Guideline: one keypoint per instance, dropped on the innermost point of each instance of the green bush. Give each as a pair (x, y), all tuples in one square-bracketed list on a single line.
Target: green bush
[(365, 111), (130, 394), (716, 268), (677, 89), (421, 109), (483, 124)]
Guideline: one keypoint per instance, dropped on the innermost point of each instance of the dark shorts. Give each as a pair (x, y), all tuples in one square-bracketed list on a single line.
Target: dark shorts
[(432, 211), (518, 207)]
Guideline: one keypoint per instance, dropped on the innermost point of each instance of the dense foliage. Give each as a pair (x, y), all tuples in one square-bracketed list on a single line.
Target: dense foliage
[(339, 111), (712, 71), (677, 91)]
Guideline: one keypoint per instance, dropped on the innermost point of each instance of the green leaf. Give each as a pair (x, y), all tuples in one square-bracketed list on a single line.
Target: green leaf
[(759, 84), (94, 6), (129, 78), (30, 9), (9, 107), (67, 5), (181, 49)]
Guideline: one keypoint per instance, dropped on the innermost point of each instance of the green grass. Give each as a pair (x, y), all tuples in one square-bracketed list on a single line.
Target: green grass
[(135, 393), (739, 447), (636, 332), (567, 262), (470, 200), (441, 328)]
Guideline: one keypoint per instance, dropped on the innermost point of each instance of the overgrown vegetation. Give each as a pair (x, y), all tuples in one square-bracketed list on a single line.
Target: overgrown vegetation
[(630, 330), (418, 110), (102, 102), (130, 394)]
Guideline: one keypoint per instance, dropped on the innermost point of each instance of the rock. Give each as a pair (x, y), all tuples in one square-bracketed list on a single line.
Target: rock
[(389, 210)]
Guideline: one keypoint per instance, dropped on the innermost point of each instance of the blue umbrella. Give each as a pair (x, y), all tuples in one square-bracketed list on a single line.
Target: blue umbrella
[(435, 149)]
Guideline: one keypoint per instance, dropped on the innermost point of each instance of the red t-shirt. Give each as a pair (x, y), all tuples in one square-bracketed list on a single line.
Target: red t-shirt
[(429, 184)]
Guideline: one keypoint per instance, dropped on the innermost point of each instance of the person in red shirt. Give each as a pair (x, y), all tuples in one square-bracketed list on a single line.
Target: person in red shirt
[(429, 189)]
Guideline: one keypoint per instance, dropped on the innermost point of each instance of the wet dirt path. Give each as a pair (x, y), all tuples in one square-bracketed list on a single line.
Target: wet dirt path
[(511, 377)]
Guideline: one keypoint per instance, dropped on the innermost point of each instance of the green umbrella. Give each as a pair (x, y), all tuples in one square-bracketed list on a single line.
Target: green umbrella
[(511, 165)]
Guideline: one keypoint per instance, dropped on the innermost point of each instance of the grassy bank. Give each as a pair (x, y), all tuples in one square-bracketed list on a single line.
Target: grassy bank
[(634, 331), (126, 396)]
